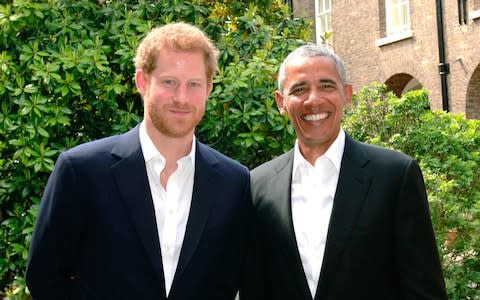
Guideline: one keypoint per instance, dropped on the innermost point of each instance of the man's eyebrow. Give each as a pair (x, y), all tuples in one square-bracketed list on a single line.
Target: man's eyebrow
[(326, 80)]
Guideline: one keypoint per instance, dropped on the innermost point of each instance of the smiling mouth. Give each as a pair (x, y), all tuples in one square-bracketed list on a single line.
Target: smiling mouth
[(180, 111), (316, 117)]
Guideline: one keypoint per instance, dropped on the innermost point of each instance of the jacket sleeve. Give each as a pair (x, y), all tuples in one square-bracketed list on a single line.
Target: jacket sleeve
[(57, 235), (417, 258), (253, 281)]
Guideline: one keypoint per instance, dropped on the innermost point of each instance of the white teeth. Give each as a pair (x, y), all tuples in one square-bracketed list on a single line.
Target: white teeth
[(315, 117)]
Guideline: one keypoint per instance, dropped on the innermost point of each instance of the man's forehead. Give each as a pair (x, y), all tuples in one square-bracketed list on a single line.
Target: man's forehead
[(304, 72), (310, 80), (300, 61)]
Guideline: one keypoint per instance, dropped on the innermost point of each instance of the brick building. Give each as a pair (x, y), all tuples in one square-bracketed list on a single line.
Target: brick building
[(397, 42)]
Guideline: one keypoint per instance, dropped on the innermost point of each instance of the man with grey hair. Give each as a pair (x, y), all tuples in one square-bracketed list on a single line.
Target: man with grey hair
[(336, 218)]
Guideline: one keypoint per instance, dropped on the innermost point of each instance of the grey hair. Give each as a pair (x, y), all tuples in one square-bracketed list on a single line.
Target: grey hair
[(311, 50)]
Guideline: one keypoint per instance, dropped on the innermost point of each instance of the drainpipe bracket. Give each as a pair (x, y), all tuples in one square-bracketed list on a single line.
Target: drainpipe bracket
[(444, 68)]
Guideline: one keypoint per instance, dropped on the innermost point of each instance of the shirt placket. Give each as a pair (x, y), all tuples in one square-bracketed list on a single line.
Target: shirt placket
[(170, 226), (316, 196)]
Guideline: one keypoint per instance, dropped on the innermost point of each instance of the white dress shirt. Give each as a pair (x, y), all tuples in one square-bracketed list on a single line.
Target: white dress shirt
[(172, 205), (313, 190)]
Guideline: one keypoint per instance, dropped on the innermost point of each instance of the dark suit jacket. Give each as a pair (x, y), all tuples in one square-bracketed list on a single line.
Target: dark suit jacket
[(380, 242), (96, 234)]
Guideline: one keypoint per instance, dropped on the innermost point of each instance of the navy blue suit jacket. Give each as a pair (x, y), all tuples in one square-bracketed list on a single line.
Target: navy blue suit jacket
[(380, 242), (96, 235)]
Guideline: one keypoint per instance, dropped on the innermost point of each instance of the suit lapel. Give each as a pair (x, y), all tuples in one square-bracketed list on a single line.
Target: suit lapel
[(132, 182), (204, 184), (285, 233), (352, 188)]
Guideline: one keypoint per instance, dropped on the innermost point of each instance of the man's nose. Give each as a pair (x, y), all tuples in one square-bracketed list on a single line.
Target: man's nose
[(181, 92), (314, 96)]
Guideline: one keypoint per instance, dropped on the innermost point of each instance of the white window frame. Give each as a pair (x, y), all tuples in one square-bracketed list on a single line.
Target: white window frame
[(323, 20), (397, 14), (475, 12)]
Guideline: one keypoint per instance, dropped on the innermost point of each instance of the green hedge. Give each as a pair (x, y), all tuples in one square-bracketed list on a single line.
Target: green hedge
[(66, 77), (447, 147)]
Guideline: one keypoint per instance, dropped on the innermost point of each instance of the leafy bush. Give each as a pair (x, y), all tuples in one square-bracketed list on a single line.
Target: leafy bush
[(447, 147), (67, 77)]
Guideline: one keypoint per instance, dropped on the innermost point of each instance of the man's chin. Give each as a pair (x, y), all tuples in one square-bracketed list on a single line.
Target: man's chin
[(176, 131)]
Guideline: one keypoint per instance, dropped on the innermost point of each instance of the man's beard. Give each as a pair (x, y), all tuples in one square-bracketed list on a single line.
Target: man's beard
[(174, 128)]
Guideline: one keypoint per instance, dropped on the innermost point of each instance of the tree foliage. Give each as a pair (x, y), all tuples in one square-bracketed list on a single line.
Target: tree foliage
[(67, 77), (447, 147)]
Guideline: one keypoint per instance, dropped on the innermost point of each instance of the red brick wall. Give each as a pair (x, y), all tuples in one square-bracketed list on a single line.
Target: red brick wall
[(357, 25), (473, 96)]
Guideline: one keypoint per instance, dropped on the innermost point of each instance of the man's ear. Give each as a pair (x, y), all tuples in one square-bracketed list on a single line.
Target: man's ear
[(141, 81), (279, 99), (348, 95), (209, 87)]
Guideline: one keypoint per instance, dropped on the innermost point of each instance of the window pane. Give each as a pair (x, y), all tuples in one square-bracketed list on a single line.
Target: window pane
[(328, 22), (322, 24), (403, 15), (397, 14), (324, 21), (323, 6), (395, 20)]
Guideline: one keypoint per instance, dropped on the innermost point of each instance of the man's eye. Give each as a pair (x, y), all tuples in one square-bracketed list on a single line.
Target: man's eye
[(169, 82), (195, 84), (297, 91), (328, 86)]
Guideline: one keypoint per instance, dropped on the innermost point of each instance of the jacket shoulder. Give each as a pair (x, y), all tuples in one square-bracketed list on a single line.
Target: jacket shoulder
[(216, 157), (270, 168), (375, 153), (102, 150)]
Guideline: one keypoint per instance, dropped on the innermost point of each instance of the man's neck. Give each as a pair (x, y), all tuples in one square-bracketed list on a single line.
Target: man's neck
[(311, 153), (171, 148)]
